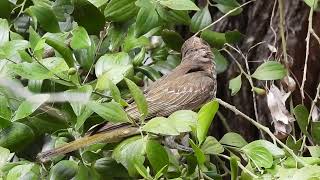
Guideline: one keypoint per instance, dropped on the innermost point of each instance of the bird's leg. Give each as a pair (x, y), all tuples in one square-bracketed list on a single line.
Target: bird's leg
[(171, 143)]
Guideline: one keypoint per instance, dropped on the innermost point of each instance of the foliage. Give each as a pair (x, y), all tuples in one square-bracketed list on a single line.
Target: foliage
[(80, 60)]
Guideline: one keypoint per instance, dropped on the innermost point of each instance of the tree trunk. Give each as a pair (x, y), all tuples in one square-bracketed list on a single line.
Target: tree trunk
[(257, 22)]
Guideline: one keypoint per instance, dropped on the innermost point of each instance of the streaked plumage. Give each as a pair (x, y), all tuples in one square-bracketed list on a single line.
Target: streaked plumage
[(187, 87)]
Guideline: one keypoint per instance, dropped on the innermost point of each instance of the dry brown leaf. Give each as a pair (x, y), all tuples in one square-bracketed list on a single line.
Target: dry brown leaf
[(280, 115)]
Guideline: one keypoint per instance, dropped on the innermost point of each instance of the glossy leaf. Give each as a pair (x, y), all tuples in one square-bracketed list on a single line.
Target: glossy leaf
[(139, 58), (211, 146), (221, 62), (301, 113), (105, 83), (176, 123), (175, 16), (179, 4), (115, 66), (235, 85), (150, 72), (16, 136), (79, 107), (234, 168), (226, 6), (270, 70), (233, 139), (198, 153), (28, 106), (315, 131), (147, 19), (65, 169), (46, 18), (206, 115), (130, 152), (157, 156), (172, 39), (63, 49), (111, 111), (200, 20), (260, 156), (24, 171), (215, 39), (120, 10), (273, 149), (4, 31), (139, 98), (88, 16), (80, 38)]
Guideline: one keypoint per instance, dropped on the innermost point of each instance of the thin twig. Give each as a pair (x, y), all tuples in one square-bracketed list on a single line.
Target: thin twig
[(251, 84), (240, 166), (222, 17), (283, 38), (314, 102), (224, 121), (264, 128), (304, 78)]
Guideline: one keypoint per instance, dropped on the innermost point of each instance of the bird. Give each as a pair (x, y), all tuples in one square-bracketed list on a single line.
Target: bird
[(191, 84)]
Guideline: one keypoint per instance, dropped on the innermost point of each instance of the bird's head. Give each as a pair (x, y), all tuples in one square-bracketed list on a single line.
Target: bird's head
[(196, 51)]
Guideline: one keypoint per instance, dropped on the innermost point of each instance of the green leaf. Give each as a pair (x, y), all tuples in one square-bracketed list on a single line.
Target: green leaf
[(105, 83), (200, 20), (259, 155), (233, 139), (235, 85), (313, 3), (45, 16), (221, 62), (130, 152), (4, 31), (115, 66), (5, 112), (270, 70), (233, 36), (150, 72), (4, 155), (138, 97), (80, 38), (273, 149), (34, 37), (157, 156), (63, 49), (176, 123), (160, 125), (308, 172), (201, 158), (206, 115), (315, 131), (226, 6), (16, 136), (120, 10), (10, 49), (24, 171), (83, 117), (172, 39), (234, 167), (139, 58), (301, 113), (65, 169), (36, 71), (5, 8), (293, 144), (86, 56), (28, 106), (179, 4), (147, 19), (111, 111), (78, 107), (314, 151), (211, 146), (173, 16), (131, 42), (215, 39), (142, 171), (88, 16)]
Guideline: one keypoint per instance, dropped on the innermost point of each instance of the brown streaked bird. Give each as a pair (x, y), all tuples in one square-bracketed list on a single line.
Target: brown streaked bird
[(187, 87)]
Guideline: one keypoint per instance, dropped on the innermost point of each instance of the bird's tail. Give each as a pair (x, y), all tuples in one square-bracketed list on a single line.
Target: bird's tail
[(113, 135)]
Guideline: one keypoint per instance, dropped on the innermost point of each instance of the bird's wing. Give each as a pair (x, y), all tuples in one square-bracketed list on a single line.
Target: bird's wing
[(187, 92)]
